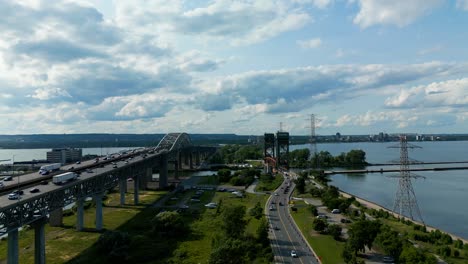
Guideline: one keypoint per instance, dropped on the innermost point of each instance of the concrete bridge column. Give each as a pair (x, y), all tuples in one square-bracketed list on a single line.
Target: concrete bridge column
[(148, 176), (191, 160), (79, 214), (122, 189), (176, 170), (197, 158), (163, 171), (179, 160), (98, 201), (13, 246), (39, 241), (136, 191), (56, 217)]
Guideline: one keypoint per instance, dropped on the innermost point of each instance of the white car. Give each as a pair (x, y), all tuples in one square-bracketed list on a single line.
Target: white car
[(13, 196), (293, 253)]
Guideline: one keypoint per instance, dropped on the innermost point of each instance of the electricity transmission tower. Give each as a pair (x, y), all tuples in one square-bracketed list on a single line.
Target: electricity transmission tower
[(405, 203), (313, 140)]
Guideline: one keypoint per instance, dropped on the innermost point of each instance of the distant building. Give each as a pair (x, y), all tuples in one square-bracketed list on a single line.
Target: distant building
[(64, 155)]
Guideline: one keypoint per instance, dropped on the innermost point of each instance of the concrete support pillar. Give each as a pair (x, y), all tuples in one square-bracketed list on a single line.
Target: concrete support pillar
[(79, 214), (13, 246), (179, 160), (136, 191), (56, 217), (190, 160), (122, 189), (176, 170), (39, 241), (143, 181), (163, 171), (186, 159), (149, 176), (197, 158), (98, 201)]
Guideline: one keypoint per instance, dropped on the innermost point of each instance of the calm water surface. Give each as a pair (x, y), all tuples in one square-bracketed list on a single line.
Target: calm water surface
[(442, 195)]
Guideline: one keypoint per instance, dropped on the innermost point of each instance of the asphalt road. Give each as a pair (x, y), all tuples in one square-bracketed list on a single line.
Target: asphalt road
[(4, 201), (285, 237)]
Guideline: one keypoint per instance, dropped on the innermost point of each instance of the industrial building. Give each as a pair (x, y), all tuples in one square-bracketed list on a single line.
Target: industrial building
[(64, 155)]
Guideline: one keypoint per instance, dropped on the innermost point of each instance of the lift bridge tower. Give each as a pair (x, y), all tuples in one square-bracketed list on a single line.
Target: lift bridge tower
[(405, 203)]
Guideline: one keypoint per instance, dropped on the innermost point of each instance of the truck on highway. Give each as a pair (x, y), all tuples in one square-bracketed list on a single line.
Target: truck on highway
[(44, 170), (64, 177)]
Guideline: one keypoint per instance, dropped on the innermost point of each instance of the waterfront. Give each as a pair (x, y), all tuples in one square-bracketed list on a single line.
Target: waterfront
[(441, 195), (40, 154)]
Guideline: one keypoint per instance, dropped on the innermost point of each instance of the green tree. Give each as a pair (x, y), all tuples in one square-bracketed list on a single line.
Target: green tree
[(262, 233), (335, 231), (319, 225), (257, 211), (362, 233), (356, 157), (168, 223), (234, 221), (390, 242), (115, 244), (300, 185), (224, 175), (228, 251)]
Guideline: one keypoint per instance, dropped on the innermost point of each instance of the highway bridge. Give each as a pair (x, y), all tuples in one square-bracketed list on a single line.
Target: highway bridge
[(95, 178)]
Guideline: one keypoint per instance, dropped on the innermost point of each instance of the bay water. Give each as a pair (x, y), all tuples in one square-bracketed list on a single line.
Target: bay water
[(442, 195)]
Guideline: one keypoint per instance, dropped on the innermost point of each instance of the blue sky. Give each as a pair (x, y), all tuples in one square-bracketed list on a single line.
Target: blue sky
[(140, 66)]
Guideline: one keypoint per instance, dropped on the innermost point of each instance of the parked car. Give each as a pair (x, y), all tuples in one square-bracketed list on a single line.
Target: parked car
[(293, 253), (335, 211), (78, 162), (71, 168), (34, 190)]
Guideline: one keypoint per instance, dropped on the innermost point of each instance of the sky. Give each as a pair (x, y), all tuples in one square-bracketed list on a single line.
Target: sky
[(227, 66)]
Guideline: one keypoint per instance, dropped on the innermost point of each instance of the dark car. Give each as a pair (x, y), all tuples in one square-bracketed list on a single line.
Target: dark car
[(34, 190), (20, 192), (44, 182), (8, 178), (71, 168)]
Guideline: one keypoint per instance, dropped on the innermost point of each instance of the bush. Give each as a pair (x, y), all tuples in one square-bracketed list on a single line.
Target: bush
[(115, 244), (335, 231), (319, 225)]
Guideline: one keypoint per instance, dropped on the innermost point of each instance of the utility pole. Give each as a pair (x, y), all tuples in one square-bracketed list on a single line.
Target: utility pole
[(405, 199)]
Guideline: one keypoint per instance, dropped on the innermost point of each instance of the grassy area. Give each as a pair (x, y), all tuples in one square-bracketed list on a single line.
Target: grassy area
[(270, 185), (209, 180), (409, 231), (64, 243), (196, 248), (328, 249)]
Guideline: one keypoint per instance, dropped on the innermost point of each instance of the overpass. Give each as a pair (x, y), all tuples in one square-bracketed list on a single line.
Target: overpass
[(96, 177)]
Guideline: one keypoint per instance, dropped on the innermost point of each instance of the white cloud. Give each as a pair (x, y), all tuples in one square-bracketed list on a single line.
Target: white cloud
[(238, 22), (395, 12), (462, 4), (310, 44), (430, 50), (452, 93)]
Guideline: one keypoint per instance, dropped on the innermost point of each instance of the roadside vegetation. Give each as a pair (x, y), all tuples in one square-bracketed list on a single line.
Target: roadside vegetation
[(301, 158), (399, 240)]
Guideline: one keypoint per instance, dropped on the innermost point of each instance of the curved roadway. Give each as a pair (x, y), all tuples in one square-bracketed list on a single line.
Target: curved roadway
[(284, 234)]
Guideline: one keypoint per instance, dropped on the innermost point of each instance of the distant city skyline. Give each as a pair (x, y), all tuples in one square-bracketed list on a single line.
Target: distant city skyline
[(361, 66)]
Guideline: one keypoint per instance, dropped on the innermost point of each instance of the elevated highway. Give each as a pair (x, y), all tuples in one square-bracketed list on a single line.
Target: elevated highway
[(95, 177)]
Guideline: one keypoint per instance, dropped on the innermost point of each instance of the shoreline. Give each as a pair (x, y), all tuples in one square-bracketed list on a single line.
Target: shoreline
[(372, 205)]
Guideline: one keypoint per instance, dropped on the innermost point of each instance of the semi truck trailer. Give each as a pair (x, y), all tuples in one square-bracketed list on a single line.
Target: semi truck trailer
[(44, 170), (64, 177)]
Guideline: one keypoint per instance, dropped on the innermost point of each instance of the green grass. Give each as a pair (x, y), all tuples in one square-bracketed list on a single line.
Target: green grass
[(270, 185), (409, 230), (209, 180), (64, 243), (197, 247), (328, 249)]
